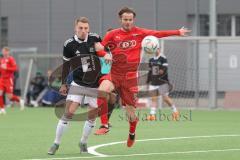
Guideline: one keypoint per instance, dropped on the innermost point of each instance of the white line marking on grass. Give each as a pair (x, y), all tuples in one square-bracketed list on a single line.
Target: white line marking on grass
[(92, 149)]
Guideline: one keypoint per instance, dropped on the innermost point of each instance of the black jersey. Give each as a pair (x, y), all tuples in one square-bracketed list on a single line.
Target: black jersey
[(158, 65), (83, 54)]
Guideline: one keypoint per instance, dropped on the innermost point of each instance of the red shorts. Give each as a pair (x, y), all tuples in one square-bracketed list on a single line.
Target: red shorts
[(126, 86), (6, 84)]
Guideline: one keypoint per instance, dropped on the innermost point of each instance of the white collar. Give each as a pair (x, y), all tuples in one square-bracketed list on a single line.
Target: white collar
[(78, 40)]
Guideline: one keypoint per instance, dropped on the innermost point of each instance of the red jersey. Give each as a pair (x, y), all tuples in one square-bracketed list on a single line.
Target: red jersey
[(11, 67), (126, 47)]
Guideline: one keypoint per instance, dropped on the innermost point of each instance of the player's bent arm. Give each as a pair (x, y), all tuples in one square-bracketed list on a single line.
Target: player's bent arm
[(13, 69), (103, 52)]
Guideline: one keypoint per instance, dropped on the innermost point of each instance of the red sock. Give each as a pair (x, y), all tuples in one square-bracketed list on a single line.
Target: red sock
[(15, 98), (102, 103), (1, 102), (132, 126)]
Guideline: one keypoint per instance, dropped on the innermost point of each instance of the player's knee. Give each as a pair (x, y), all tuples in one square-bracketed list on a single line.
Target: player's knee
[(67, 116), (106, 85), (1, 93), (9, 96)]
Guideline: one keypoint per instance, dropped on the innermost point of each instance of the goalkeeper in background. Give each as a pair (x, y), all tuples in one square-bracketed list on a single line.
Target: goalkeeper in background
[(158, 79)]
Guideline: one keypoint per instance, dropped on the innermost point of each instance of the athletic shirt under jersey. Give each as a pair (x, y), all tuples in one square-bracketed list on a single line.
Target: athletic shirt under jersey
[(74, 47), (156, 64)]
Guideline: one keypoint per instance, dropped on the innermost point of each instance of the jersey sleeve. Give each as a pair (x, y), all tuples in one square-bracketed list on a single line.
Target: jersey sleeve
[(12, 65), (107, 39), (67, 53), (101, 53), (98, 38), (164, 65), (165, 62), (160, 33)]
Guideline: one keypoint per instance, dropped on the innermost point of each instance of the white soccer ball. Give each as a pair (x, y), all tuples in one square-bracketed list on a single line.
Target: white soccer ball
[(150, 44)]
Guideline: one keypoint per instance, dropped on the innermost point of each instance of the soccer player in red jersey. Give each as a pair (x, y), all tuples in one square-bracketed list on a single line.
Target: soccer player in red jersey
[(125, 45), (7, 68)]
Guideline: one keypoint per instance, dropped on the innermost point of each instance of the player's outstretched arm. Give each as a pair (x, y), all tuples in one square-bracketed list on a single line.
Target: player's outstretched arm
[(184, 31), (166, 33)]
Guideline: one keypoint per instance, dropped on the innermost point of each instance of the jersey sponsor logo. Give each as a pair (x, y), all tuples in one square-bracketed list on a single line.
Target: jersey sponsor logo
[(127, 44)]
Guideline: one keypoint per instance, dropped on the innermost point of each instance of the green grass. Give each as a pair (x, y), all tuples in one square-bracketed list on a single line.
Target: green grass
[(28, 135)]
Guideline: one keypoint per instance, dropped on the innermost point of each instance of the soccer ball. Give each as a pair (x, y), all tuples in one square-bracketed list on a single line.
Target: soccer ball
[(150, 44)]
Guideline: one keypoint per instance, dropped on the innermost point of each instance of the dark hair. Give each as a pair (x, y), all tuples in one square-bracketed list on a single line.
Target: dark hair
[(126, 10), (109, 29), (81, 19)]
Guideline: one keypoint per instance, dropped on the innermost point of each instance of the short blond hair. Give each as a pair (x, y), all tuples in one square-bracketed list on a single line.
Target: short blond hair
[(81, 19), (6, 48)]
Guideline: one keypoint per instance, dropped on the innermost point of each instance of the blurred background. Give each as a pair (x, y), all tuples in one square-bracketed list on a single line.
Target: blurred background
[(204, 68)]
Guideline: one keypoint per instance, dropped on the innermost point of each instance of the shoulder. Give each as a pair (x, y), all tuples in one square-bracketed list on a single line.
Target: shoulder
[(136, 28), (94, 35), (11, 58), (163, 56), (114, 31), (68, 41)]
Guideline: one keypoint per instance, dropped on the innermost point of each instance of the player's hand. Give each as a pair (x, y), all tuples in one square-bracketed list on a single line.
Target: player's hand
[(4, 66), (184, 31), (63, 90), (161, 71), (108, 58)]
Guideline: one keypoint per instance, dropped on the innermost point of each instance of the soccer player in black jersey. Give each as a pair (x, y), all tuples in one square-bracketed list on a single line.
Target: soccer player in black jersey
[(79, 50), (158, 79)]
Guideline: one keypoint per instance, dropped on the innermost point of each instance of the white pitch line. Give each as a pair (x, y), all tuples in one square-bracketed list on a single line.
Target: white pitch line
[(92, 149)]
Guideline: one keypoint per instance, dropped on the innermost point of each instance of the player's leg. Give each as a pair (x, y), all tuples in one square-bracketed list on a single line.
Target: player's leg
[(2, 108), (89, 123), (153, 104), (133, 120), (72, 104), (11, 96), (169, 101), (2, 89), (17, 99), (128, 91), (106, 86), (153, 109), (111, 106)]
